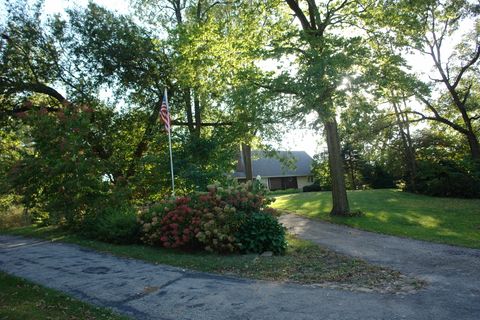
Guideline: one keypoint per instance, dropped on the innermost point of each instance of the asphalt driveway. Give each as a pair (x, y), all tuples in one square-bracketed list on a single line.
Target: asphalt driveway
[(147, 291)]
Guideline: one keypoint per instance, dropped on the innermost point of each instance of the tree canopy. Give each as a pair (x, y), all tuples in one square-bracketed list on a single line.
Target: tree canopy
[(80, 95)]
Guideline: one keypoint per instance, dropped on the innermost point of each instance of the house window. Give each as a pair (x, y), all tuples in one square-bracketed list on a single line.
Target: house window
[(310, 179), (283, 183)]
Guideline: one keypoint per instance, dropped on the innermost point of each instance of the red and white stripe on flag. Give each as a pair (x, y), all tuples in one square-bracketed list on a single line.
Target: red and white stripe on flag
[(165, 114)]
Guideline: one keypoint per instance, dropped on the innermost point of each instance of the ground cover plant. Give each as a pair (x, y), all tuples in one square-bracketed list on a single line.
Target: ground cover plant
[(445, 220), (21, 299)]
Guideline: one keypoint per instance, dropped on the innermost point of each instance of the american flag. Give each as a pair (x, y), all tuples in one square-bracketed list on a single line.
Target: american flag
[(165, 114)]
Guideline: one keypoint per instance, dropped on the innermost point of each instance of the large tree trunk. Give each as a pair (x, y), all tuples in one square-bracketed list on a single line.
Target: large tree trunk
[(350, 162), (198, 115), (474, 146), (142, 145), (188, 110), (339, 192), (470, 134), (412, 158), (247, 161)]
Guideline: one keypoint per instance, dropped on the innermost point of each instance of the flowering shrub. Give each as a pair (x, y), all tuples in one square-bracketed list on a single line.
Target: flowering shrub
[(246, 197), (170, 224), (219, 221), (209, 220)]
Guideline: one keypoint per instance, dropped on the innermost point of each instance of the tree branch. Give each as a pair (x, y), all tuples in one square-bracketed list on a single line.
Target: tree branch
[(204, 124), (467, 93), (293, 4), (437, 116), (34, 87), (465, 67)]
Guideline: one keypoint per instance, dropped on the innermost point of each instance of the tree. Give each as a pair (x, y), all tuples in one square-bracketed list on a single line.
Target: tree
[(325, 58), (215, 46), (86, 150), (426, 27), (394, 87)]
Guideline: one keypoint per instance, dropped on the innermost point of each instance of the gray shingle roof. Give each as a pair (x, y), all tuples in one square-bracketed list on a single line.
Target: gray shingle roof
[(272, 167)]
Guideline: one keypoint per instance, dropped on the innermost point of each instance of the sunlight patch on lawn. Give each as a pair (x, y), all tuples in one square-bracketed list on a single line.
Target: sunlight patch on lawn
[(380, 216), (424, 221), (448, 232)]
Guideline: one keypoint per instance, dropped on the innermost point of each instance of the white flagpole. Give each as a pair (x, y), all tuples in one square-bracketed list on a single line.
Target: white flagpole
[(170, 143)]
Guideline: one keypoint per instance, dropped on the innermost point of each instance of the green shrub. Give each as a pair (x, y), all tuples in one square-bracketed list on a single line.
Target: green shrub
[(312, 188), (114, 225), (377, 176), (447, 178), (12, 214), (261, 232)]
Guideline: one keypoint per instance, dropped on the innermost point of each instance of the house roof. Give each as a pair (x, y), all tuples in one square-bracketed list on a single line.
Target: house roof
[(272, 167)]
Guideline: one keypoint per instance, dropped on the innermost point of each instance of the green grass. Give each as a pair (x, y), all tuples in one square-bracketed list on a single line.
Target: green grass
[(444, 220), (304, 262), (20, 299), (282, 192)]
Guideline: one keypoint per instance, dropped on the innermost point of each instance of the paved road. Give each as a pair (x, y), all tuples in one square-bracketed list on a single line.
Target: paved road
[(147, 291)]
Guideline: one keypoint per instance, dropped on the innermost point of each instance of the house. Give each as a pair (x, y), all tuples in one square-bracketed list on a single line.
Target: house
[(276, 175)]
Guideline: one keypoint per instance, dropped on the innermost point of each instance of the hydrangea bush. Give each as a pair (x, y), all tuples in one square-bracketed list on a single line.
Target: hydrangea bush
[(212, 221)]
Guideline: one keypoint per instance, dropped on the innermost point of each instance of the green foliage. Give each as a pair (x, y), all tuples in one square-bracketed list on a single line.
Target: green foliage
[(7, 201), (321, 171), (114, 225), (374, 175), (11, 213), (202, 161), (447, 178), (312, 187), (66, 159), (92, 149), (286, 191), (63, 176), (261, 232), (425, 27), (377, 177)]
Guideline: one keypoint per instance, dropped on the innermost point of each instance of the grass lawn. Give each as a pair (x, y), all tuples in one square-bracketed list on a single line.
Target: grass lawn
[(20, 299), (445, 220), (304, 262)]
